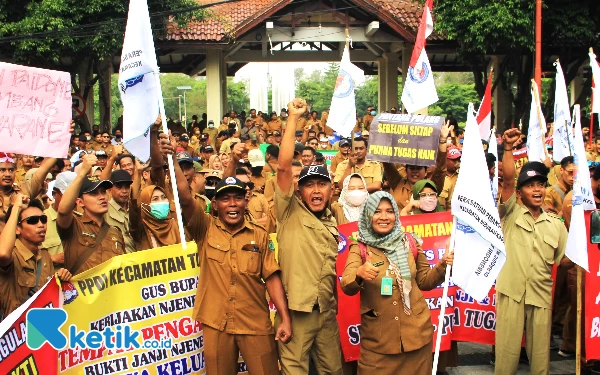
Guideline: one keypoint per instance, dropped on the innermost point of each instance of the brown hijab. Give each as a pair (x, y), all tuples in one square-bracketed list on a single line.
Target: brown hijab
[(164, 232)]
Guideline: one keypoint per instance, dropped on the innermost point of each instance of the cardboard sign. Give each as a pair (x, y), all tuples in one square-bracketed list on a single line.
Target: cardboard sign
[(405, 139)]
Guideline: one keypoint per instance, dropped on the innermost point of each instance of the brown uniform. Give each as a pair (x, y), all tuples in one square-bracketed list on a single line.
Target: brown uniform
[(445, 197), (81, 235), (555, 194), (370, 170), (20, 176), (270, 169), (259, 183), (106, 148), (300, 123), (554, 175), (337, 210), (230, 301), (258, 205), (390, 340), (19, 280), (337, 159), (274, 125), (314, 124), (367, 119), (31, 189), (307, 256), (524, 286), (118, 217), (52, 241)]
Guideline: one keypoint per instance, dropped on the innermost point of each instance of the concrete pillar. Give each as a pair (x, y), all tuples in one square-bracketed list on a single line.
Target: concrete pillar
[(105, 71), (84, 77), (576, 87), (501, 104), (391, 82), (216, 81), (382, 71)]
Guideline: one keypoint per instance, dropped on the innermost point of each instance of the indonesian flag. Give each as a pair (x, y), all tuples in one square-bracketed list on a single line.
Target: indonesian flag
[(596, 78), (419, 88), (425, 29), (484, 115)]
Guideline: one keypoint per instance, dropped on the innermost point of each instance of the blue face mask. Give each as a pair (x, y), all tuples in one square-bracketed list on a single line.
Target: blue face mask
[(159, 210), (373, 113)]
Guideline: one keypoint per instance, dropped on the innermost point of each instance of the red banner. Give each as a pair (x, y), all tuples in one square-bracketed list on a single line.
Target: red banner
[(15, 357), (592, 299), (465, 319)]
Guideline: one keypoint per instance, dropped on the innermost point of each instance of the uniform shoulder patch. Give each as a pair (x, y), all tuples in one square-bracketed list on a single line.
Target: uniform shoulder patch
[(271, 245)]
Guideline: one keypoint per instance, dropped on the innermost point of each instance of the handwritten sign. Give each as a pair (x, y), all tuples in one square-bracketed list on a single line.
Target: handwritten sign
[(35, 111), (405, 139)]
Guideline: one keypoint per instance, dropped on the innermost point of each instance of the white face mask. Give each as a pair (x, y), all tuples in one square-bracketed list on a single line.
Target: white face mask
[(357, 197)]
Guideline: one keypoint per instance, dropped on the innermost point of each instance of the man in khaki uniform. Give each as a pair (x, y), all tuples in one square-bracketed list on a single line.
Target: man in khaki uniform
[(535, 241), (274, 124), (307, 235), (357, 163), (81, 234), (341, 155), (24, 265), (26, 165), (118, 206), (52, 241), (237, 262), (453, 156), (368, 118), (105, 144), (313, 121), (555, 194), (212, 133)]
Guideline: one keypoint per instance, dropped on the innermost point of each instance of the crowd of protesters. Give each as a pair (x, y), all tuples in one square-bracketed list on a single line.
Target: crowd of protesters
[(70, 215)]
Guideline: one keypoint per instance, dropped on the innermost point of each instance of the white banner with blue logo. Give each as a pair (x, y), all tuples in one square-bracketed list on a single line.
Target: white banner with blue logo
[(138, 85), (583, 199), (342, 115), (419, 88), (479, 253), (563, 132)]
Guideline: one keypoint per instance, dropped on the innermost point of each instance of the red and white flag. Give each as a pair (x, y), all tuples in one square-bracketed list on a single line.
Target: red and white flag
[(419, 89), (596, 78), (484, 115)]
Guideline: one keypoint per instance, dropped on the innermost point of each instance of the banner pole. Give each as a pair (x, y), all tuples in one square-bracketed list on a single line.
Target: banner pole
[(578, 335), (161, 104), (440, 327)]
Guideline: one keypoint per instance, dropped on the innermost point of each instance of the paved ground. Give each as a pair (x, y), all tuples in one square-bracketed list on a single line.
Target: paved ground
[(474, 359)]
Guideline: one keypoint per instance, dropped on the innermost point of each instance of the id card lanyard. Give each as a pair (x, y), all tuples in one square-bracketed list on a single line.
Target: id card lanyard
[(386, 283)]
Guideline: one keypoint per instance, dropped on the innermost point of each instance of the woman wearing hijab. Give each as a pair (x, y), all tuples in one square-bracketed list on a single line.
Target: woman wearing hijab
[(152, 222), (424, 199), (396, 331), (214, 162), (354, 194)]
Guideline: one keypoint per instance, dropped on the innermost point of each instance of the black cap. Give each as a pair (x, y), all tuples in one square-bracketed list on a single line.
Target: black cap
[(298, 133), (298, 148), (101, 154), (532, 170), (314, 171), (204, 136), (229, 183), (207, 148), (490, 159), (175, 132), (344, 142), (184, 137), (184, 157), (38, 158), (92, 183), (82, 137), (120, 176)]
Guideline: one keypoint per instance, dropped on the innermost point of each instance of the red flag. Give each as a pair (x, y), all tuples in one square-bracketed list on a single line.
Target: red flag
[(484, 115), (425, 29)]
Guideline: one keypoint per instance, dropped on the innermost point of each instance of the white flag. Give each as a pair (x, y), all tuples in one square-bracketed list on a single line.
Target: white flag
[(419, 88), (493, 149), (596, 86), (342, 115), (137, 81), (479, 243), (535, 143), (563, 133), (583, 199)]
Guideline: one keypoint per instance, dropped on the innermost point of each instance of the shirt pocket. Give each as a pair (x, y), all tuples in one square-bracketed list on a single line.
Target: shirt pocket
[(249, 259), (216, 250), (549, 247)]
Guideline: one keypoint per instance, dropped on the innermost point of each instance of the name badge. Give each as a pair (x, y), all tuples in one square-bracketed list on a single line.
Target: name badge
[(386, 283), (377, 264)]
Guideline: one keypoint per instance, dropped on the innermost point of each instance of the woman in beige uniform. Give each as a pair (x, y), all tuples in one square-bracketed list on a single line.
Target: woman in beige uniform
[(353, 195), (396, 331)]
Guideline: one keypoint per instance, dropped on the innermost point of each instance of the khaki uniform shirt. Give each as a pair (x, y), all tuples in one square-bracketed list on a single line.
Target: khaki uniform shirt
[(52, 242), (20, 176), (31, 189), (212, 136), (270, 169), (314, 124), (81, 235), (307, 253), (554, 198), (231, 294), (301, 123), (337, 159), (202, 201), (445, 197), (367, 119), (259, 183), (108, 149), (371, 171), (402, 193), (337, 210), (554, 175), (258, 206), (532, 248), (385, 328), (19, 277), (118, 217), (273, 126)]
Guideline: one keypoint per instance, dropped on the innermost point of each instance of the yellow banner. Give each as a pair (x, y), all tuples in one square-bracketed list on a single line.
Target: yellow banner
[(147, 297)]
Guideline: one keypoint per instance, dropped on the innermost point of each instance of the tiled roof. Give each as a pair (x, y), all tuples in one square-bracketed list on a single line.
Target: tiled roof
[(225, 19), (234, 18)]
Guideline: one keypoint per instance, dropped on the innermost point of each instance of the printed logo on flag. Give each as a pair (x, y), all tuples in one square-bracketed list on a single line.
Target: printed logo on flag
[(421, 74), (131, 82), (344, 85)]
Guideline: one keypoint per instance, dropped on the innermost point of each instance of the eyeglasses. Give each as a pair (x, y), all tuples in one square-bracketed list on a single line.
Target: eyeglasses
[(428, 195), (33, 220)]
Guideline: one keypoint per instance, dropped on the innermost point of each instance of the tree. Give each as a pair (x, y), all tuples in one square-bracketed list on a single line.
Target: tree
[(238, 98), (317, 89), (454, 98), (366, 95), (40, 33)]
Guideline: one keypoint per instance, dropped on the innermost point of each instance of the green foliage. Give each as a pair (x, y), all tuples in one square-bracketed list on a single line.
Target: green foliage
[(366, 95), (455, 98), (317, 89), (238, 98)]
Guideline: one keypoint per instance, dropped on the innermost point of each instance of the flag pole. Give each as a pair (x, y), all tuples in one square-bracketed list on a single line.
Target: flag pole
[(440, 326), (161, 104), (578, 335)]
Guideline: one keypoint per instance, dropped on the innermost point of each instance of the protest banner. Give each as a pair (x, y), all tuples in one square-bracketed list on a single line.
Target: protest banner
[(591, 318), (520, 157), (15, 356), (151, 292), (35, 111), (404, 139), (434, 229)]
